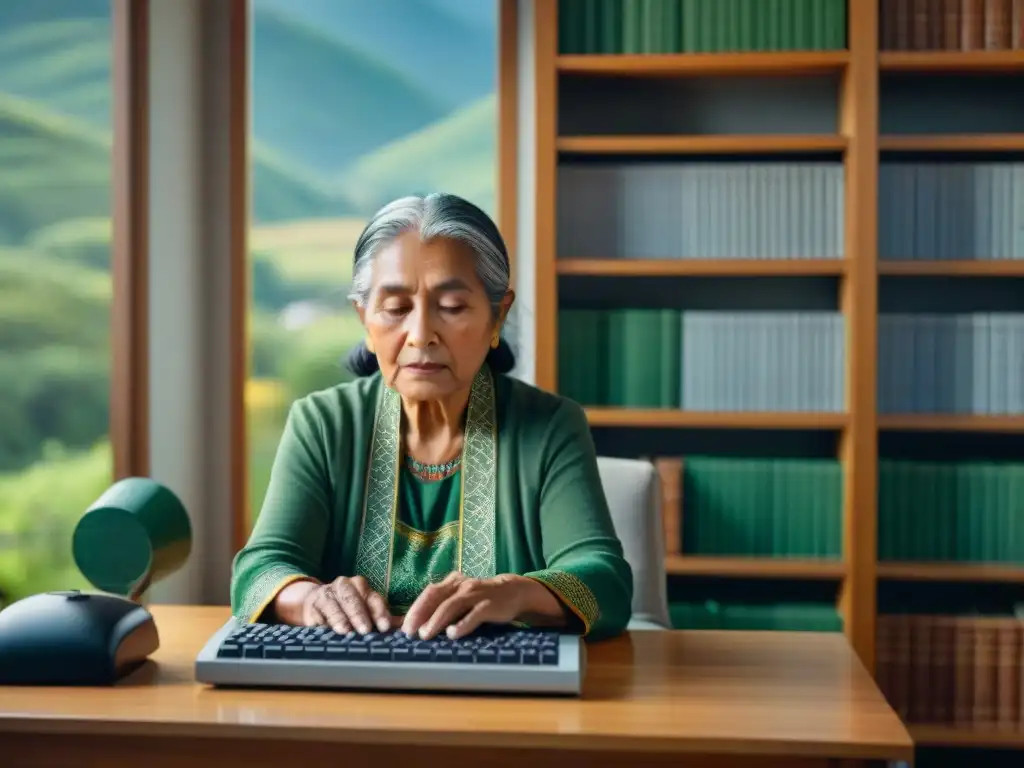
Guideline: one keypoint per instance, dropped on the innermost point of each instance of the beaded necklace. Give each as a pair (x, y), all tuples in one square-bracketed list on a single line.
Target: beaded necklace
[(433, 471)]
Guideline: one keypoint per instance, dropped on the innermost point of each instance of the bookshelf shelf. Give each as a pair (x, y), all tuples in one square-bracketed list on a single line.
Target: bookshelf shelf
[(702, 145), (940, 422), (705, 64), (993, 142), (646, 418), (993, 268), (952, 572), (951, 61), (964, 736), (753, 568), (703, 267)]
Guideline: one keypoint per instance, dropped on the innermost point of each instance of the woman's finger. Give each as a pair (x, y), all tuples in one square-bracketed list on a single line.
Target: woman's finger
[(351, 602), (379, 611), (332, 612), (480, 613), (423, 607), (448, 612)]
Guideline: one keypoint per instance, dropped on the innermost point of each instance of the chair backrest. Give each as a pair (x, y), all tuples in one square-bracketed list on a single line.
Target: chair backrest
[(633, 490)]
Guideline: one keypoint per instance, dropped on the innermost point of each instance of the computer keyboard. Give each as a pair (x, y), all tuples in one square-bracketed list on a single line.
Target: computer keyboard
[(493, 659)]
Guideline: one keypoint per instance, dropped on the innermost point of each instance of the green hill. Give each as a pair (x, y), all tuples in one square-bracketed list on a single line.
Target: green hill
[(316, 101), (64, 64), (454, 155), (57, 168), (324, 104)]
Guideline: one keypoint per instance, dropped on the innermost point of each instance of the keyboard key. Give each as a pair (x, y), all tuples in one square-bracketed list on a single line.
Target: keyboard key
[(230, 651)]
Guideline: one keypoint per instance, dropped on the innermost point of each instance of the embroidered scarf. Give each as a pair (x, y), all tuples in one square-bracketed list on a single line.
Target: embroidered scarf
[(476, 552)]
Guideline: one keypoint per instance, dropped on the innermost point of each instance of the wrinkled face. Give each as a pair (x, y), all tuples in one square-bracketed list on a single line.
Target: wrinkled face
[(428, 318)]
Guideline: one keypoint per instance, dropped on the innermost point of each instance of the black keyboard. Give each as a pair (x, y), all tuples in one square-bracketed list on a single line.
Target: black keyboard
[(494, 658)]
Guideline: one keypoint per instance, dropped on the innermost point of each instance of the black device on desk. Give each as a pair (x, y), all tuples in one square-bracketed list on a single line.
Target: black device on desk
[(73, 638), (135, 534)]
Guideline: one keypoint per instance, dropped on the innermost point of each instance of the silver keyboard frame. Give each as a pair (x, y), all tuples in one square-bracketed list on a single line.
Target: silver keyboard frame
[(565, 678)]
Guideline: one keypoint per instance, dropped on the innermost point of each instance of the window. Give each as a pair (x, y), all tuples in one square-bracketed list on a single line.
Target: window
[(55, 283), (354, 103)]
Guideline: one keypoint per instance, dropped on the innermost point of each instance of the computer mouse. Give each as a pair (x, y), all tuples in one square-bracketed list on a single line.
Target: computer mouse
[(73, 638)]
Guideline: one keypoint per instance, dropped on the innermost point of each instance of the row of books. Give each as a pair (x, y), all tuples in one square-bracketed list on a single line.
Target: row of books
[(952, 670), (750, 507), (950, 210), (951, 363), (703, 360), (692, 26), (967, 511), (753, 616), (703, 210), (950, 25), (786, 210)]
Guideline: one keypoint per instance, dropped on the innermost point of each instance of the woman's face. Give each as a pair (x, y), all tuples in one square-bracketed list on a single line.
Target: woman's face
[(428, 318)]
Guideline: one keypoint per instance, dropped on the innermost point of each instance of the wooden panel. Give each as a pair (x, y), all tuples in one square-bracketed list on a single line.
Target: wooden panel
[(508, 124), (704, 145), (705, 64), (859, 299), (703, 267), (545, 44), (239, 267), (676, 419), (129, 386), (32, 751)]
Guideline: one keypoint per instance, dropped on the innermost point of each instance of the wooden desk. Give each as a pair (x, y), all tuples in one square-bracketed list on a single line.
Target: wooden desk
[(704, 699)]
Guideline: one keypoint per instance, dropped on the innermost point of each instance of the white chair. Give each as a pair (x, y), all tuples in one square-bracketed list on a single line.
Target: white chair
[(633, 490)]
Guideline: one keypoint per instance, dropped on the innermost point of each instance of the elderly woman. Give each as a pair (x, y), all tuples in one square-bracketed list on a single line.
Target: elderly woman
[(434, 493)]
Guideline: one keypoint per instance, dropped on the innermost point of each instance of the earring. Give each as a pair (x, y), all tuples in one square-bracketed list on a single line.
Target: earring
[(369, 345), (495, 339)]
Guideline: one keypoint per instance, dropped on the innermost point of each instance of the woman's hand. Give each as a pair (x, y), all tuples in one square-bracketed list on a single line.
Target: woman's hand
[(459, 604), (347, 604)]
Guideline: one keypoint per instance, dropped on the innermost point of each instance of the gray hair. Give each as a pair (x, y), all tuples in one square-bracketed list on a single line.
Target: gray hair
[(438, 215)]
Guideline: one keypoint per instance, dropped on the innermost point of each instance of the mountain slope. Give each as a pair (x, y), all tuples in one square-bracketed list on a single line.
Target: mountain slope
[(439, 46), (324, 104), (316, 101), (458, 154), (57, 168)]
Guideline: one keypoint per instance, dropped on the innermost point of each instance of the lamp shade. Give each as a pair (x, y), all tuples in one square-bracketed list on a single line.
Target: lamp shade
[(135, 534)]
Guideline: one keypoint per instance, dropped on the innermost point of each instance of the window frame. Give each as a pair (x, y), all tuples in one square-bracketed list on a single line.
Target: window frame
[(129, 382)]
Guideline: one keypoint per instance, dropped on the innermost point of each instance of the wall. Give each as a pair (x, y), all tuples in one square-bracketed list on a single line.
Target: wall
[(189, 283)]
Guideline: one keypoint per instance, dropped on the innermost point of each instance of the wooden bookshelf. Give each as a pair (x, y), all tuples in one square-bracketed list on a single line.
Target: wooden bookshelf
[(992, 142), (701, 64), (858, 141), (927, 422), (677, 419), (952, 572), (995, 268), (698, 145), (964, 736), (753, 568), (703, 267), (951, 62)]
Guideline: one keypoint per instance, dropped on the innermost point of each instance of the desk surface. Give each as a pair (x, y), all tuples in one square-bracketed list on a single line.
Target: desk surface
[(710, 692)]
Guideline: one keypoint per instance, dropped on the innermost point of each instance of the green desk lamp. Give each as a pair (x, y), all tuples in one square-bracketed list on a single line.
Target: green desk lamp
[(132, 536), (135, 534)]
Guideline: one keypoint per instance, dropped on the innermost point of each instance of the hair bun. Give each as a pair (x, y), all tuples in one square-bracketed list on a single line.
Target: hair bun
[(361, 361), (501, 359)]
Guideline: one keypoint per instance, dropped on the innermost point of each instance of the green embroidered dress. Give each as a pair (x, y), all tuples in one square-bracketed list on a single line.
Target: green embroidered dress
[(525, 498)]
